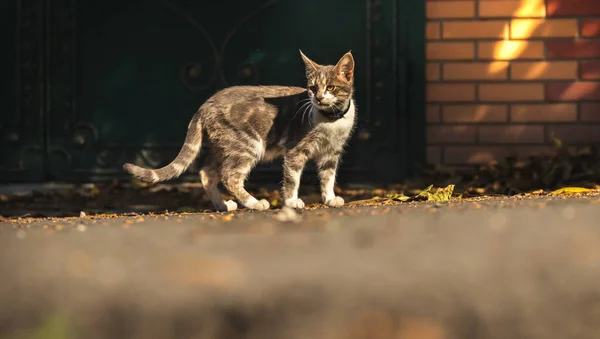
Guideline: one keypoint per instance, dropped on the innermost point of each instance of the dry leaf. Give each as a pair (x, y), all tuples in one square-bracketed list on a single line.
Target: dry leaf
[(571, 190)]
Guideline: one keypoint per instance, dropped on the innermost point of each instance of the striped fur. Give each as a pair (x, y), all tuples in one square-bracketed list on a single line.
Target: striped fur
[(246, 125), (186, 156)]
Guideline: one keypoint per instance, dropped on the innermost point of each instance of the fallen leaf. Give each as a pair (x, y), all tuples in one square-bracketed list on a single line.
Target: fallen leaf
[(398, 197), (571, 190), (440, 194), (424, 193)]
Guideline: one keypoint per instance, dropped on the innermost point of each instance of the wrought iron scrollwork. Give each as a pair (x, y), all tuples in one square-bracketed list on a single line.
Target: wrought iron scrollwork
[(48, 87), (246, 71)]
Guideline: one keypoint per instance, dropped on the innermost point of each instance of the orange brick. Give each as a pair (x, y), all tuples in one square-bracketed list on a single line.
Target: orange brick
[(544, 70), (572, 90), (590, 28), (475, 29), (433, 113), (433, 30), (434, 155), (450, 50), (512, 9), (511, 92), (589, 70), (546, 28), (475, 113), (432, 71), (511, 50), (543, 113), (590, 111), (450, 9), (511, 134), (450, 92), (451, 134), (476, 70)]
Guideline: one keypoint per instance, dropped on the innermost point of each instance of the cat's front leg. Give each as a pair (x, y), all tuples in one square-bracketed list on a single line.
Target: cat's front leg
[(293, 164), (327, 168)]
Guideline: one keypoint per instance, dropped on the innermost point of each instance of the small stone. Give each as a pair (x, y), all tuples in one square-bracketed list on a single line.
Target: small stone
[(82, 214)]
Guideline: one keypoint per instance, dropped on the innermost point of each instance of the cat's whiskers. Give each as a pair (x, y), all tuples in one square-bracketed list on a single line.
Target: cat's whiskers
[(308, 109), (301, 108)]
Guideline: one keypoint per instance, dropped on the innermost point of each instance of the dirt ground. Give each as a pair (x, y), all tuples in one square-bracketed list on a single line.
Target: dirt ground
[(484, 267)]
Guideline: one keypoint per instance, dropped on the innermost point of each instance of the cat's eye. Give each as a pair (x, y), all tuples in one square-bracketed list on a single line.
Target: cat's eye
[(330, 88), (313, 89)]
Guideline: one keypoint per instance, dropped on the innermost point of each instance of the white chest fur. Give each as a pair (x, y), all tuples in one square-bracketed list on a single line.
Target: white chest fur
[(337, 131)]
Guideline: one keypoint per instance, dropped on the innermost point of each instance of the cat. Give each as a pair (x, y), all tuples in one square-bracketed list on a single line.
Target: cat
[(246, 125)]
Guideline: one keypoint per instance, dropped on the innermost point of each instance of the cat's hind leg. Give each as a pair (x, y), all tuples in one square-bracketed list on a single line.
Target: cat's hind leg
[(210, 180), (234, 173)]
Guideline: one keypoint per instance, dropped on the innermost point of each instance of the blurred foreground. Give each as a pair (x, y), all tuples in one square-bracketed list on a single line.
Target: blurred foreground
[(496, 268)]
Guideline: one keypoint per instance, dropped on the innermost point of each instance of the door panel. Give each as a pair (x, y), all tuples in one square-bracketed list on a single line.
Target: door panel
[(100, 83), (21, 95)]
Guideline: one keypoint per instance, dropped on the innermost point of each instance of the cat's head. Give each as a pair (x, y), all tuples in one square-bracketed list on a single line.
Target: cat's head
[(330, 87)]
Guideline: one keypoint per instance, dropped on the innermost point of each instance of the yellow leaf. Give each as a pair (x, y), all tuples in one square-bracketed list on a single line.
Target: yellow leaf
[(571, 190), (398, 197), (439, 195), (425, 193), (442, 194)]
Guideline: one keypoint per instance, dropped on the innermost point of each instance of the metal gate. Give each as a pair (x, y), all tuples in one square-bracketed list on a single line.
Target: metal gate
[(93, 84)]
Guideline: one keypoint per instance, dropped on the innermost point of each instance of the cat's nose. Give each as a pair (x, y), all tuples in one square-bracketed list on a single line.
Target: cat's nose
[(319, 99)]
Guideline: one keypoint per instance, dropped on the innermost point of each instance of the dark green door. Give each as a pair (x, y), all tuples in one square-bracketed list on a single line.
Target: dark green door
[(22, 130), (122, 79)]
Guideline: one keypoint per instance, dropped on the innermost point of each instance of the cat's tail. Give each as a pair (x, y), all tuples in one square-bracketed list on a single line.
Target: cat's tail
[(187, 154)]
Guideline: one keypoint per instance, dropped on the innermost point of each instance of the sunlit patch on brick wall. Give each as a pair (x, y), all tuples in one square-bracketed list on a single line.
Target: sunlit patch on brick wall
[(506, 76)]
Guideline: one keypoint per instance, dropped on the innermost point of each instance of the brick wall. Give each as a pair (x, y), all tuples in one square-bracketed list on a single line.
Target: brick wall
[(504, 76)]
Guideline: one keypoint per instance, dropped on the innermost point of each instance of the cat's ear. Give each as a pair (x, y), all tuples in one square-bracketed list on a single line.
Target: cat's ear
[(310, 65), (345, 67)]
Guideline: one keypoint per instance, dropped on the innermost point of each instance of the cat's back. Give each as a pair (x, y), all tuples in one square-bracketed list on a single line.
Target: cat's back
[(251, 93)]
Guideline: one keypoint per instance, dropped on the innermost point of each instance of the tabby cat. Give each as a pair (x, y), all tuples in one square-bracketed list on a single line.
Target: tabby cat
[(250, 124)]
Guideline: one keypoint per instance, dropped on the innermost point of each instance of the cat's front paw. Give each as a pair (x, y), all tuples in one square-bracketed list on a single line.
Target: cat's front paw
[(226, 206), (294, 203), (335, 202), (260, 205)]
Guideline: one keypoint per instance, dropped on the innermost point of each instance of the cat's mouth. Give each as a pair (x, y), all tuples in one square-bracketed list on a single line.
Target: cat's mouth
[(322, 106)]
